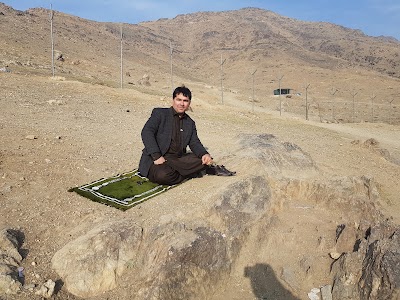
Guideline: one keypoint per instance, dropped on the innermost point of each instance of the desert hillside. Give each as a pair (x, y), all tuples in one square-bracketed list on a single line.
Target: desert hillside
[(325, 56), (314, 208)]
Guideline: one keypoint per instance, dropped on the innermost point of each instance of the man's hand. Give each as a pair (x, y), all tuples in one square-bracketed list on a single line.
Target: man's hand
[(160, 161), (206, 159)]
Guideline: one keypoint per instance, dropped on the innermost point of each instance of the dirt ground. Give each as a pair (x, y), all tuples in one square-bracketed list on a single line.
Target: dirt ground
[(57, 134)]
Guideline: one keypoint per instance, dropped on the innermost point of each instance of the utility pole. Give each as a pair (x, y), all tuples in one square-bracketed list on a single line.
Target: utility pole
[(122, 61), (372, 97), (391, 110), (222, 79), (170, 60), (353, 93), (280, 91), (52, 39), (333, 92), (252, 74), (306, 87)]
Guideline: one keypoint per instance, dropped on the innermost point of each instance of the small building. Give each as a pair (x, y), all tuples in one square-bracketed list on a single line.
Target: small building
[(283, 92)]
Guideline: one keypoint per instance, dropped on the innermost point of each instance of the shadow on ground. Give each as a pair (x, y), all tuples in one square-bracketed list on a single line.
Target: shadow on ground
[(265, 284)]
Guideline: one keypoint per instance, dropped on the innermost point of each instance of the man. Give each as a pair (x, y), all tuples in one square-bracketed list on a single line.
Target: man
[(166, 135)]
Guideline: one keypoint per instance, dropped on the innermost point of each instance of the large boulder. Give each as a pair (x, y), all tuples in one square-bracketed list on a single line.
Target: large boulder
[(276, 158), (189, 257), (181, 262), (91, 264), (172, 260), (372, 270)]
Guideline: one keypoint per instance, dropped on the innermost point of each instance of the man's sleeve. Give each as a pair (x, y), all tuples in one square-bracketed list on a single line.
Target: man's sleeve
[(149, 133), (195, 144)]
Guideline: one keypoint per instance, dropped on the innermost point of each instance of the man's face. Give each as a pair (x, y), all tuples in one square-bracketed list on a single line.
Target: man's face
[(180, 103)]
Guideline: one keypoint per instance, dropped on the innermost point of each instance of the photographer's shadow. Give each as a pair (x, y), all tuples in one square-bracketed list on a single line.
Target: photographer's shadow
[(265, 285)]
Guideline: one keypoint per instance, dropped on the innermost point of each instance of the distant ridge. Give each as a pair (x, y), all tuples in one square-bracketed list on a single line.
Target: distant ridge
[(247, 38)]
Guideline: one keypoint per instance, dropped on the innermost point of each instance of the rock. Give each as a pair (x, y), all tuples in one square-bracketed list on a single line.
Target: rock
[(243, 203), (91, 264), (345, 241), (335, 255), (30, 287), (10, 242), (6, 189), (177, 259), (373, 271), (183, 263), (8, 284), (313, 294), (381, 269), (277, 158), (10, 259), (347, 270), (47, 289), (145, 80), (326, 292), (55, 102), (31, 137)]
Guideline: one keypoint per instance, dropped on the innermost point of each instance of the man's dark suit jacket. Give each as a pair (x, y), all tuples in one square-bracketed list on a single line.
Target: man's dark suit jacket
[(157, 134)]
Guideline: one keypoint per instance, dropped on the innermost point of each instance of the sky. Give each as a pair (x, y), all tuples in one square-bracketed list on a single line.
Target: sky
[(373, 17)]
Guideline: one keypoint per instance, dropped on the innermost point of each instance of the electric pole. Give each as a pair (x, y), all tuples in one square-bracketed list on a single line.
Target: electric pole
[(280, 91), (222, 79), (252, 74), (170, 60), (306, 87), (122, 62), (333, 92), (52, 39)]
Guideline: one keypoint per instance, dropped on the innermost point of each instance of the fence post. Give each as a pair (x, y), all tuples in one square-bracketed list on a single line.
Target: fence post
[(333, 92), (52, 39), (122, 61), (391, 110), (280, 91), (252, 74), (372, 107), (306, 87), (222, 79), (353, 93)]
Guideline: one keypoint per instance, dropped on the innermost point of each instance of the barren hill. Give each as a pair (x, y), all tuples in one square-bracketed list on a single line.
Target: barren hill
[(249, 39)]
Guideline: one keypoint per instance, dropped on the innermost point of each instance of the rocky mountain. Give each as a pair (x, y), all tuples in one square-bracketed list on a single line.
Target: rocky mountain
[(248, 39), (264, 34)]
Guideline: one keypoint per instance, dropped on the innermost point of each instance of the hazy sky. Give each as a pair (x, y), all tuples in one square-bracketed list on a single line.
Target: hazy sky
[(373, 17)]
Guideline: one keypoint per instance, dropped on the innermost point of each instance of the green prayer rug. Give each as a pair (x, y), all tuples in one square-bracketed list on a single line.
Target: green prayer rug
[(121, 191)]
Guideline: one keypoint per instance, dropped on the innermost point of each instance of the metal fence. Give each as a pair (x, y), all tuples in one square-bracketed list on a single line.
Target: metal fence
[(341, 111)]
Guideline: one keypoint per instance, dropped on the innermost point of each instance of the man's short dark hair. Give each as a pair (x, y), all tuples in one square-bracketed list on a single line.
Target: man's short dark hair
[(182, 90)]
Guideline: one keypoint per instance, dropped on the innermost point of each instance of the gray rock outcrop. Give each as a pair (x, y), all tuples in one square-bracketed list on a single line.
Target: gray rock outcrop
[(92, 263), (372, 270), (278, 159), (189, 259), (10, 260)]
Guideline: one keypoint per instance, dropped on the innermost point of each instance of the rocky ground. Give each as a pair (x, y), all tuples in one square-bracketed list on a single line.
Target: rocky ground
[(56, 134)]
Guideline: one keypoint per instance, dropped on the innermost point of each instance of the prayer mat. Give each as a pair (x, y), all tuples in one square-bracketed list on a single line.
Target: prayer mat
[(121, 191)]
